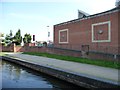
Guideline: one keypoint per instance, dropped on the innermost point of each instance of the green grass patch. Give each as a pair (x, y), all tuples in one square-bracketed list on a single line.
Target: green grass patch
[(2, 53), (103, 63)]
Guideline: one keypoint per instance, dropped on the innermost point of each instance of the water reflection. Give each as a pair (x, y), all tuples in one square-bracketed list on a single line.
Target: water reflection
[(11, 72), (15, 76)]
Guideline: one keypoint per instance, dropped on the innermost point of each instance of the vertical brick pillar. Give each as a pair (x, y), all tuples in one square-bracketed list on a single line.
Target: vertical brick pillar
[(14, 47), (0, 47)]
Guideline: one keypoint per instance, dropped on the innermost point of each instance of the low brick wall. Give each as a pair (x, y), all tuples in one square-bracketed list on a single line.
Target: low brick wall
[(58, 51), (7, 49), (61, 51), (34, 49), (103, 56), (0, 48), (65, 52)]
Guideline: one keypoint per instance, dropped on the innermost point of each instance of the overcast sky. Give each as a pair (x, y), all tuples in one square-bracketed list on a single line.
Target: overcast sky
[(33, 16)]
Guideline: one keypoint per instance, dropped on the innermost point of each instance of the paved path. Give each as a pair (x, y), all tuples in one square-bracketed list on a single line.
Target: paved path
[(98, 72)]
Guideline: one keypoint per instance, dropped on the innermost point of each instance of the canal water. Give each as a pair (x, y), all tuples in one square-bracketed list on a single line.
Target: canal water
[(16, 76)]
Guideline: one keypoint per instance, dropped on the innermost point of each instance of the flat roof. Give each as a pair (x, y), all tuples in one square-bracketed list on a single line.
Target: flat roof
[(116, 9)]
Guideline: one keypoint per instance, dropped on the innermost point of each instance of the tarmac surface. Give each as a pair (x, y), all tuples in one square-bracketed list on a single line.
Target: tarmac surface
[(93, 71)]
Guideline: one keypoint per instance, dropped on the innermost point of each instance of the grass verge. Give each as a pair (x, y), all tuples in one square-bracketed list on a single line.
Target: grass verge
[(103, 63), (2, 53)]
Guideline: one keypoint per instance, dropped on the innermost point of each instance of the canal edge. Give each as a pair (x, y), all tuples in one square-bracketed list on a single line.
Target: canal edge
[(63, 75)]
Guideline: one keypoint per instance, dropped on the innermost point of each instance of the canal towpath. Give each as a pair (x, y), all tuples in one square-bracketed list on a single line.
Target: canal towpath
[(93, 71)]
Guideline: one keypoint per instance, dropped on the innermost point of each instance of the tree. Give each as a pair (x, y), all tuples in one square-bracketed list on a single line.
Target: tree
[(1, 35), (17, 38), (45, 44), (27, 38), (11, 33), (9, 38), (2, 39)]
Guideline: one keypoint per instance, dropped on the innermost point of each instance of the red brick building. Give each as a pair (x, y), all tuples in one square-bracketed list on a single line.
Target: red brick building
[(93, 33)]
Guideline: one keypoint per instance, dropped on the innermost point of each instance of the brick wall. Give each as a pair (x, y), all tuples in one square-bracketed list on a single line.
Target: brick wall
[(119, 32), (8, 48), (80, 32), (65, 52), (60, 51), (0, 47), (19, 49), (53, 51), (34, 49)]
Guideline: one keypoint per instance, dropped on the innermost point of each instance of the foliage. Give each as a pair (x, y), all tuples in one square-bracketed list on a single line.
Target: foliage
[(1, 35), (17, 38), (1, 38), (103, 63), (45, 44), (27, 38), (11, 33), (8, 38)]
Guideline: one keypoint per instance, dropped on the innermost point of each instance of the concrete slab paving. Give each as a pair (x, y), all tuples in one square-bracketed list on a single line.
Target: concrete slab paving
[(98, 72)]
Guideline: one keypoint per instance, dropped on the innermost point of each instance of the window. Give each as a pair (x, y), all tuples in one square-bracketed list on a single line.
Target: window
[(63, 36)]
